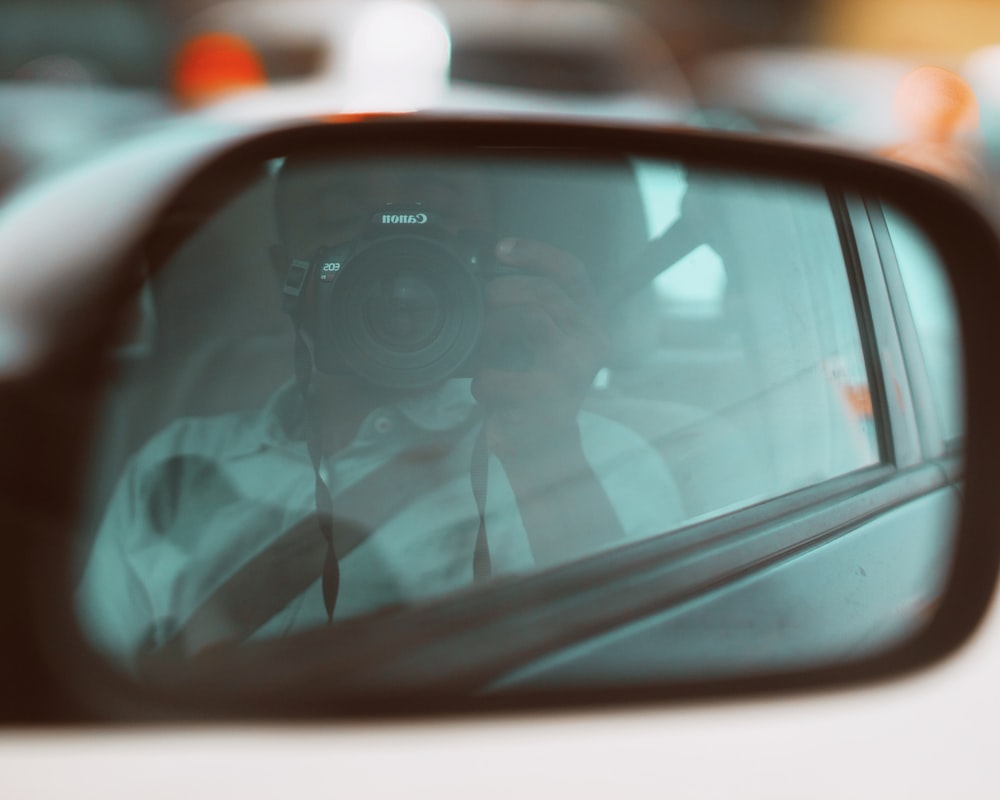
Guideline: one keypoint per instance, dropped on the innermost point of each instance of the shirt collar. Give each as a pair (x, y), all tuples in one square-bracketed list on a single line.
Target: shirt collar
[(444, 408)]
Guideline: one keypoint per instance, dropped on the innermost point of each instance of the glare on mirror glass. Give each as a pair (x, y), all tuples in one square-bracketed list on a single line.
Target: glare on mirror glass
[(371, 385)]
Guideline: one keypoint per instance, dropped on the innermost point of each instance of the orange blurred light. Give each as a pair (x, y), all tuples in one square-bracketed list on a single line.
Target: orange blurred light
[(359, 116), (935, 104), (213, 65), (936, 110)]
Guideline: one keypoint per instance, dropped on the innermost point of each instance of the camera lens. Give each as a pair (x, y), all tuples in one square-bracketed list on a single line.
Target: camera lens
[(406, 312), (403, 312)]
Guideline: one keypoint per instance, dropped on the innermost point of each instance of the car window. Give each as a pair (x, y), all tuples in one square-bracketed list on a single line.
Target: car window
[(933, 307), (757, 322), (369, 384)]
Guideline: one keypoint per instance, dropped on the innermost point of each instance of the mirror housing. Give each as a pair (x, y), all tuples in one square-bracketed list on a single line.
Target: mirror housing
[(50, 399)]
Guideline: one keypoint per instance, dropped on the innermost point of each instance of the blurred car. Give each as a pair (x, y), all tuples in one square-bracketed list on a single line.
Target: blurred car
[(315, 57), (822, 94), (808, 92), (43, 124), (788, 348), (916, 111), (982, 69), (120, 43), (75, 75)]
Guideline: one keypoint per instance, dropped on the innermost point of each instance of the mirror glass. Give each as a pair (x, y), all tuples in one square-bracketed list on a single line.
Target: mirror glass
[(521, 420)]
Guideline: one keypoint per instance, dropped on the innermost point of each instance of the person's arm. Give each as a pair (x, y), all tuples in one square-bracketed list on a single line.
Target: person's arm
[(548, 313), (563, 504), (114, 606), (153, 554)]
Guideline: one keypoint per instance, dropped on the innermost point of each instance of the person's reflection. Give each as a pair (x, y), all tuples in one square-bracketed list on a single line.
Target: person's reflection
[(221, 530)]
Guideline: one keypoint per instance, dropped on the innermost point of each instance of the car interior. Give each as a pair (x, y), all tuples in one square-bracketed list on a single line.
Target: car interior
[(725, 383)]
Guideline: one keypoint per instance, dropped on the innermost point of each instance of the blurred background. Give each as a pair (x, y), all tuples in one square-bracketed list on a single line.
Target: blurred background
[(76, 75)]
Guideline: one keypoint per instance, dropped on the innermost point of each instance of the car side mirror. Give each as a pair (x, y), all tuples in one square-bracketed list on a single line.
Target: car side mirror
[(531, 415)]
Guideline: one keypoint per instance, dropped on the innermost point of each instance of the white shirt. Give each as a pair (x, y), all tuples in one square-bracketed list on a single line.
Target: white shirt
[(208, 495)]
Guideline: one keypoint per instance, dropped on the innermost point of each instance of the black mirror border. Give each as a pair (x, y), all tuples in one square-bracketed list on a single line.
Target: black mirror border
[(70, 683)]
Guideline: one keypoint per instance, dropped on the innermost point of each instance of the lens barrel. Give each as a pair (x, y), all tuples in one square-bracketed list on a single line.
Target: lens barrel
[(404, 312)]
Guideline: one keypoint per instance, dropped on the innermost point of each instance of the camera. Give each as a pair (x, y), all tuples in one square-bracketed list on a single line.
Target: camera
[(402, 304)]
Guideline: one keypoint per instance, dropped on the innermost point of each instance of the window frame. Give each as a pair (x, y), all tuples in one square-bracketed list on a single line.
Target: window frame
[(899, 405), (934, 443)]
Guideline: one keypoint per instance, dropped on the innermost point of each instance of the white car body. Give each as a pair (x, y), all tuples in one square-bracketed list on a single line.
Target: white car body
[(364, 49), (929, 735)]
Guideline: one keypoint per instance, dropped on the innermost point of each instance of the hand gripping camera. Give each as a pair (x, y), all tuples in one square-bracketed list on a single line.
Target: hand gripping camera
[(402, 304)]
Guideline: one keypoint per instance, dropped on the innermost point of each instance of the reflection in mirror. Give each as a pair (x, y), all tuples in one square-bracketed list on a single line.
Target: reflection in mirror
[(395, 386)]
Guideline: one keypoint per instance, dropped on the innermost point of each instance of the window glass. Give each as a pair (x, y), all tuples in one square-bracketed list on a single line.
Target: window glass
[(932, 304), (370, 383), (756, 322)]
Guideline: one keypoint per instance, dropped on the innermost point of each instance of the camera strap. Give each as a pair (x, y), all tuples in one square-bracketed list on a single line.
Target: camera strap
[(479, 475), (296, 277), (295, 280), (315, 437), (275, 576)]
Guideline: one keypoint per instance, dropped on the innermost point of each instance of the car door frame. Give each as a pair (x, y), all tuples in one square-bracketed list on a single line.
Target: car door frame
[(936, 446)]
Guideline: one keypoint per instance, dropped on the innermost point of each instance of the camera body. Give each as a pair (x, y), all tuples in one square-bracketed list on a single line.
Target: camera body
[(402, 304)]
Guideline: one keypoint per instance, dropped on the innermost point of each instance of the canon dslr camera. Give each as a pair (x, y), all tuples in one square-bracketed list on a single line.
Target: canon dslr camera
[(402, 304)]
